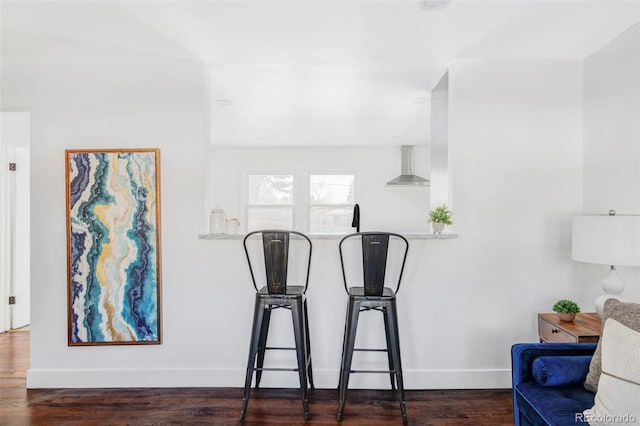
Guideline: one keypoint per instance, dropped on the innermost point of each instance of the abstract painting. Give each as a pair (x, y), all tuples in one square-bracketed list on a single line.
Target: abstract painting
[(113, 246)]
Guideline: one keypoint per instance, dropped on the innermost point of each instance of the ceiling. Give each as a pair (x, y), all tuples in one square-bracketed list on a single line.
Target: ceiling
[(322, 72)]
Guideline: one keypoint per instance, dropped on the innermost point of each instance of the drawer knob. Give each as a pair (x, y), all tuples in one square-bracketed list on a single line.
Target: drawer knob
[(554, 330)]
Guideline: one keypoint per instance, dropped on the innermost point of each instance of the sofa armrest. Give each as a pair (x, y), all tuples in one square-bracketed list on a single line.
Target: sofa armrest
[(523, 355)]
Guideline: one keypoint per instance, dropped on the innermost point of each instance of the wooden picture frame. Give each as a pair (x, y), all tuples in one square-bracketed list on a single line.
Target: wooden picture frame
[(113, 246)]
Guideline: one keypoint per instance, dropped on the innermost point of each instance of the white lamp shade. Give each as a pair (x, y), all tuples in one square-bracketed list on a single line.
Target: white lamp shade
[(606, 240)]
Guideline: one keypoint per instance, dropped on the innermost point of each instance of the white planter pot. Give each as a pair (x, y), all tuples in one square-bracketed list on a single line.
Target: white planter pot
[(437, 227)]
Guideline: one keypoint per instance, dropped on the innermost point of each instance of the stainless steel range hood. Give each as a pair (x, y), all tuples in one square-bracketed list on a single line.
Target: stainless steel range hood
[(407, 178)]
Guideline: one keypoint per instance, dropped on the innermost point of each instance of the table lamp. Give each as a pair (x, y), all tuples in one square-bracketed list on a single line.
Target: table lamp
[(612, 240)]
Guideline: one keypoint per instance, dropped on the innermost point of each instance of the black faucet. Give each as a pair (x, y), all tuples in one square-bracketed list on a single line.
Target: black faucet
[(356, 218)]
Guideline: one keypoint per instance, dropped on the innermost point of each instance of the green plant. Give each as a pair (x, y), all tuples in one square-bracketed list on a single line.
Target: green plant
[(441, 214), (566, 306)]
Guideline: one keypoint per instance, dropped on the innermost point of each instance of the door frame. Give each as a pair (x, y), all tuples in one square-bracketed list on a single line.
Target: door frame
[(14, 136)]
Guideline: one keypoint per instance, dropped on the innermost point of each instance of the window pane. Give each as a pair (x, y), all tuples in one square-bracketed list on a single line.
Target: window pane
[(330, 220), (270, 218), (271, 189), (331, 189)]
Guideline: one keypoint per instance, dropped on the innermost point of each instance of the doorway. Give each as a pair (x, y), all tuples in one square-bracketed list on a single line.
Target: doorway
[(15, 223)]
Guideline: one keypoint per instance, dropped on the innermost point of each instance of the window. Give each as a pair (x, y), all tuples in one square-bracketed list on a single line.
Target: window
[(270, 201), (316, 203), (331, 199)]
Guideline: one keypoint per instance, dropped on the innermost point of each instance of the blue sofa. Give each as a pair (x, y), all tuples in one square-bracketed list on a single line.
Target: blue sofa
[(561, 398)]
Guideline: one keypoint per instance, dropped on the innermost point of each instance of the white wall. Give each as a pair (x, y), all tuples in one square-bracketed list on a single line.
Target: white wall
[(14, 129), (515, 143), (612, 144), (515, 149), (441, 167), (515, 133), (121, 102)]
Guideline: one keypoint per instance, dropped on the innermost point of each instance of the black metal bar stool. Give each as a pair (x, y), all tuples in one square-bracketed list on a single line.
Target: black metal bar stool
[(273, 247), (372, 295)]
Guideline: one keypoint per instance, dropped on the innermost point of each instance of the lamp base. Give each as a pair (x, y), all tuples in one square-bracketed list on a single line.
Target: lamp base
[(612, 285)]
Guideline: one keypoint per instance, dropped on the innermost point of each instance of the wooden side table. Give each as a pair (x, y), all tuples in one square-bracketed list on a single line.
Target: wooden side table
[(586, 327)]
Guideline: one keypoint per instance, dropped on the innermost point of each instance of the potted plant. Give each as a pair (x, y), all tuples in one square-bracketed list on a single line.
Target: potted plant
[(567, 309), (439, 217)]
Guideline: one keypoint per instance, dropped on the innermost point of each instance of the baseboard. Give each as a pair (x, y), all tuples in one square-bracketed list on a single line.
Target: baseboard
[(203, 377)]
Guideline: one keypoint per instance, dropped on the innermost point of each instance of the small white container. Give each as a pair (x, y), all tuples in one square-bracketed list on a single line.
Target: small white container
[(233, 225), (217, 221)]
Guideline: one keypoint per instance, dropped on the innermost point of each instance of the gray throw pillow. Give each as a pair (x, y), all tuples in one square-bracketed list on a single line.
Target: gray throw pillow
[(628, 314)]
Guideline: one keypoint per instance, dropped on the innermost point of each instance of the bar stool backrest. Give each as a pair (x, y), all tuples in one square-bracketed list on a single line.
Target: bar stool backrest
[(276, 255), (375, 247)]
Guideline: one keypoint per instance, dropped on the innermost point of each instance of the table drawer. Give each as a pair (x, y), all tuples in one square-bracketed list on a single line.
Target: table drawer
[(551, 333)]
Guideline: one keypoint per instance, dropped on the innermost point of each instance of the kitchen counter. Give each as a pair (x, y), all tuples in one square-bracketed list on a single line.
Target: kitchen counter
[(407, 235)]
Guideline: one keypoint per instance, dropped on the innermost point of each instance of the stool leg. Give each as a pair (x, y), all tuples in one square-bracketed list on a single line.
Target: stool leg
[(395, 342), (262, 345), (353, 311), (392, 368), (344, 346), (258, 314), (297, 314), (308, 342)]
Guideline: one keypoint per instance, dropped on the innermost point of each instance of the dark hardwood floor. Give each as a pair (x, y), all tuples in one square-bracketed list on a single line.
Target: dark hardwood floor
[(221, 406)]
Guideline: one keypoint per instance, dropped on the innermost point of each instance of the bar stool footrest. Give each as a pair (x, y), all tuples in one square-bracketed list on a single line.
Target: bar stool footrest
[(370, 350), (275, 369)]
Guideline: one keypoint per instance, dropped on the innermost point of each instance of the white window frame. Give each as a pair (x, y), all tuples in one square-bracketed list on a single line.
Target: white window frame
[(310, 205), (301, 200), (247, 205)]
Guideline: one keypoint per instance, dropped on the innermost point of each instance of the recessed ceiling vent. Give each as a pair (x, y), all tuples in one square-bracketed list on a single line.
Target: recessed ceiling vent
[(407, 176)]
